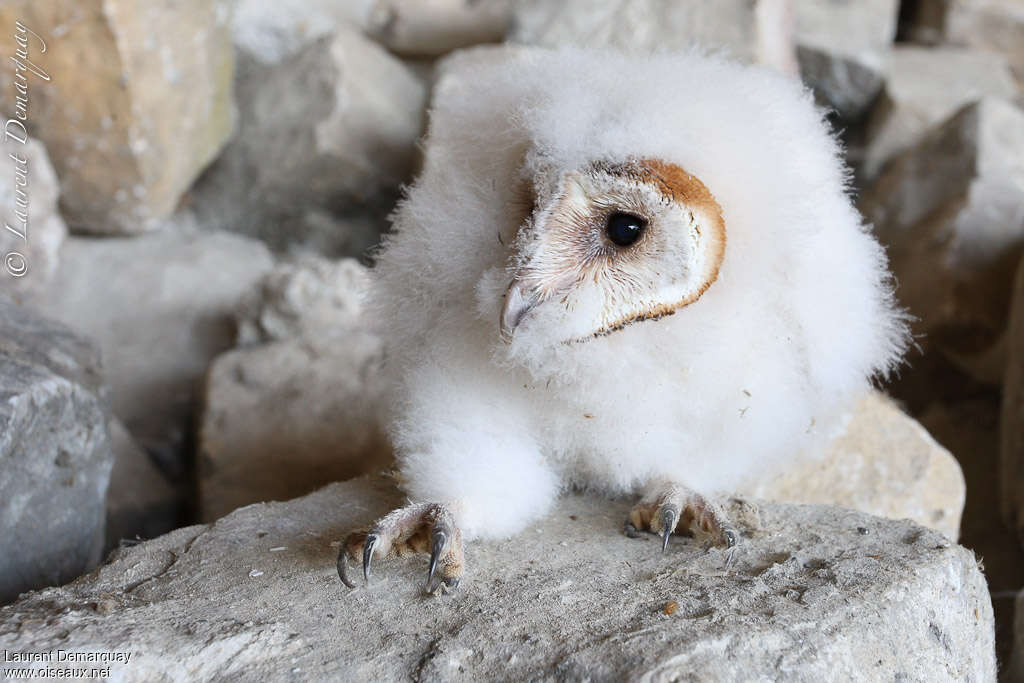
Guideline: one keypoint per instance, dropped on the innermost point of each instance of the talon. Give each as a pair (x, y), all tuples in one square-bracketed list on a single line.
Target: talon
[(440, 542), (730, 538), (371, 542), (343, 565), (630, 530), (669, 518)]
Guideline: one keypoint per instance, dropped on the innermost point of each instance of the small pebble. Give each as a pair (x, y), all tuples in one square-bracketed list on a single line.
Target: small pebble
[(279, 549), (862, 530), (254, 573), (671, 607)]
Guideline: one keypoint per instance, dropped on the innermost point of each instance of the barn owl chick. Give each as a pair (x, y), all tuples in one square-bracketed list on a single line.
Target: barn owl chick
[(624, 273)]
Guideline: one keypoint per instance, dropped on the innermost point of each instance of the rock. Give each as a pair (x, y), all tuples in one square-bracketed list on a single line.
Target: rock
[(843, 51), (283, 419), (749, 30), (132, 100), (307, 297), (951, 211), (160, 306), (325, 140), (991, 25), (33, 228), (55, 454), (817, 593), (1012, 419), (141, 503), (883, 463), (272, 31), (924, 86), (435, 27)]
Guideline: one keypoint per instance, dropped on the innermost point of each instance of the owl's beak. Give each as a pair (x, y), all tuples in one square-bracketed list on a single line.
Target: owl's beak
[(519, 301)]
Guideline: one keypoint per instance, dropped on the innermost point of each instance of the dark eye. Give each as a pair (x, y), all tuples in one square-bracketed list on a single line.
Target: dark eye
[(624, 229)]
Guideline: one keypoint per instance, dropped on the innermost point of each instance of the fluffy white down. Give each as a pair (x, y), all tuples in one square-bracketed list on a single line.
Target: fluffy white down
[(800, 318)]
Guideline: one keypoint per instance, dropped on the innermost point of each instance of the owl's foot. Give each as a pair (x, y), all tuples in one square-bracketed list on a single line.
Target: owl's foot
[(420, 528), (675, 508)]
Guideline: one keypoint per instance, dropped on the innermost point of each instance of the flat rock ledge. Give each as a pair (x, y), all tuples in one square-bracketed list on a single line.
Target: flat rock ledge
[(814, 593)]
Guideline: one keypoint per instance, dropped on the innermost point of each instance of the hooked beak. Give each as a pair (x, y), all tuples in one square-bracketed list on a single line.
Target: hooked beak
[(519, 301)]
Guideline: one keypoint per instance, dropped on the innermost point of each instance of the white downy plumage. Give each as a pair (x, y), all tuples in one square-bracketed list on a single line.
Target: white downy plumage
[(797, 322)]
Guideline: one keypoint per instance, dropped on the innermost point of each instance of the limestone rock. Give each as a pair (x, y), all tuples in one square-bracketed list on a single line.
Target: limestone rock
[(325, 139), (141, 502), (883, 463), (135, 103), (843, 50), (435, 27), (1012, 419), (306, 297), (750, 30), (992, 25), (272, 31), (817, 593), (160, 306), (55, 454), (283, 419), (924, 86), (951, 211), (33, 229)]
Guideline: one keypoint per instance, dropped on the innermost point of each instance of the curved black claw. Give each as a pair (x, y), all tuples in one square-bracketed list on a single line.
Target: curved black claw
[(669, 518), (730, 538), (630, 530), (343, 566), (439, 544), (371, 543)]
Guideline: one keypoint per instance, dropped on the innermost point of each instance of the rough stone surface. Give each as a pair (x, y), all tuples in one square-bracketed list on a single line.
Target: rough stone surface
[(155, 107), (306, 297), (951, 211), (33, 229), (1012, 420), (325, 139), (751, 30), (272, 31), (55, 454), (923, 87), (816, 593), (883, 463), (141, 502), (993, 25), (160, 306), (843, 51), (283, 419), (435, 27)]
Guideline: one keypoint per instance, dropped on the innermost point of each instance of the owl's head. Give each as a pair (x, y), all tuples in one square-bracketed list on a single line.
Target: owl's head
[(608, 245)]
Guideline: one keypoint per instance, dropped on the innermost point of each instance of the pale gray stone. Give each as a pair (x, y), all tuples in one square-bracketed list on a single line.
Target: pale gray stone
[(272, 31), (843, 50), (758, 31), (326, 137), (160, 307), (33, 230), (951, 211), (55, 454), (141, 502), (132, 99), (923, 87), (816, 593), (435, 27)]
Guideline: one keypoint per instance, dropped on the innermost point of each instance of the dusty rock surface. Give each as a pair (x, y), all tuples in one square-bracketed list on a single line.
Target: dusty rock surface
[(434, 27), (141, 502), (749, 30), (923, 87), (884, 463), (135, 102), (55, 454), (951, 211), (160, 312), (815, 593), (30, 243), (325, 139)]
